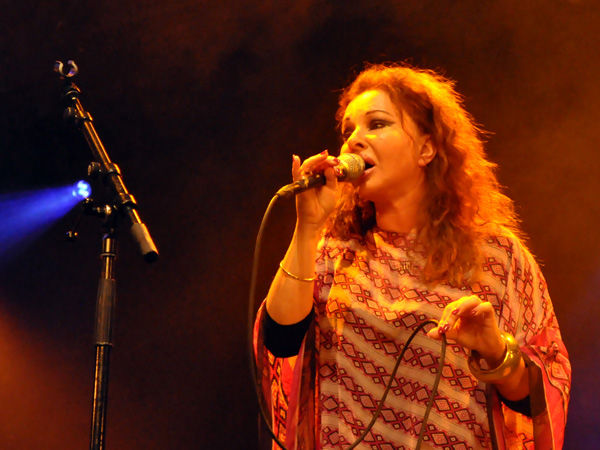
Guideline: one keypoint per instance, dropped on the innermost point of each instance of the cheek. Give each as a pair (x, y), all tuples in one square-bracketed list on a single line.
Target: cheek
[(399, 148), (397, 139)]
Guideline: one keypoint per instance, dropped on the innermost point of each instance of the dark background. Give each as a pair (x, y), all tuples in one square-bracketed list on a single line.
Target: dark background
[(202, 105)]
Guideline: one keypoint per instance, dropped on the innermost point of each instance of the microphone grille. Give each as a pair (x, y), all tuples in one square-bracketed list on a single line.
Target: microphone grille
[(353, 166)]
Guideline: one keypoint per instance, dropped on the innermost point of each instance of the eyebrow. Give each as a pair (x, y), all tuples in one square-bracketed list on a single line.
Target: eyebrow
[(376, 111), (373, 111)]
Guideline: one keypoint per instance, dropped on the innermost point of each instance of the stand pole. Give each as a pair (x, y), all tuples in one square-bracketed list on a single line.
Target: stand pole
[(104, 324)]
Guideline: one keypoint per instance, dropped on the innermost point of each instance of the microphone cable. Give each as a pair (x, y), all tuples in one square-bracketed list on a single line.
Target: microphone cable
[(252, 358)]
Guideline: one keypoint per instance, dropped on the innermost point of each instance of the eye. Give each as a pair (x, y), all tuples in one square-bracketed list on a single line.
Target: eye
[(378, 124), (346, 134)]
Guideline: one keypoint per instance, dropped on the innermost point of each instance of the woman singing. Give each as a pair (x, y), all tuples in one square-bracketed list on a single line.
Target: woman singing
[(425, 233)]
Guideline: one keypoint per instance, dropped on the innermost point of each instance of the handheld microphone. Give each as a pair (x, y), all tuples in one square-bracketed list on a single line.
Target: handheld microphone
[(351, 165)]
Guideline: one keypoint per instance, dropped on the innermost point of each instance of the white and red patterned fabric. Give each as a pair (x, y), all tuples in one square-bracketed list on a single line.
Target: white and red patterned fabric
[(368, 300)]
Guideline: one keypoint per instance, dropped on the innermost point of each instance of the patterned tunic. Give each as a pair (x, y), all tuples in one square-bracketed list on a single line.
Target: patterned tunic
[(368, 300)]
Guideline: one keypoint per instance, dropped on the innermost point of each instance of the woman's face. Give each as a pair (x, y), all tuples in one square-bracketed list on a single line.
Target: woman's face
[(395, 152)]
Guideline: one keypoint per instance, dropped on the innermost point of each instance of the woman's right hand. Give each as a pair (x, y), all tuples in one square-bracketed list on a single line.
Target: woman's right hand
[(314, 206)]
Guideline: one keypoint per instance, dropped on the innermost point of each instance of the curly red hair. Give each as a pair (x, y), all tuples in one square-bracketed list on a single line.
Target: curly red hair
[(465, 203)]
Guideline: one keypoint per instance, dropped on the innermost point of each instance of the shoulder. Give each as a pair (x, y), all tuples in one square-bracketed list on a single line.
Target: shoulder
[(511, 252), (505, 242)]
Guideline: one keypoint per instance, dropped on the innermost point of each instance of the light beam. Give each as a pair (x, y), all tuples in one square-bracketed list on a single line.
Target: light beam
[(25, 215)]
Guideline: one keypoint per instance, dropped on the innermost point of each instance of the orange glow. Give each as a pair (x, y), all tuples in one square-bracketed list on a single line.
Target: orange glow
[(42, 405)]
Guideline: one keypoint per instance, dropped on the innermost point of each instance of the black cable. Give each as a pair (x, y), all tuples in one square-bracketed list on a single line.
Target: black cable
[(251, 302), (376, 414), (393, 376)]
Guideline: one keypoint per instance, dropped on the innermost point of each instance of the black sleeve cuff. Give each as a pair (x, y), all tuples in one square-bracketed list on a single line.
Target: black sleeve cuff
[(522, 406), (284, 341)]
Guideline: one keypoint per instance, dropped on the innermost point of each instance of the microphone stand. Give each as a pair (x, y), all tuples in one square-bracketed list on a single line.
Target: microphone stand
[(123, 206)]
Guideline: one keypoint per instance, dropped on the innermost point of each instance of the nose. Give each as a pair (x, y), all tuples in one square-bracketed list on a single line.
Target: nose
[(356, 142)]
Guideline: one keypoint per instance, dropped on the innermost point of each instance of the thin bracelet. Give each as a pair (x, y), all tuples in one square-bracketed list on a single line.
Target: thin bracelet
[(512, 359), (291, 275)]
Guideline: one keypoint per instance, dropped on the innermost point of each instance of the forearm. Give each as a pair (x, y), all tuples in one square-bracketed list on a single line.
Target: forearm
[(290, 300), (516, 386)]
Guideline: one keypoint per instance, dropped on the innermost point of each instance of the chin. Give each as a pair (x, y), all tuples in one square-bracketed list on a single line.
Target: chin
[(367, 193)]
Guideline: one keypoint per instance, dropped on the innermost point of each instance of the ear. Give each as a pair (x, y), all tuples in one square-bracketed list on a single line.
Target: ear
[(427, 151)]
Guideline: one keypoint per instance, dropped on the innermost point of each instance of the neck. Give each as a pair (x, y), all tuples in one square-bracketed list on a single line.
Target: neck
[(400, 215)]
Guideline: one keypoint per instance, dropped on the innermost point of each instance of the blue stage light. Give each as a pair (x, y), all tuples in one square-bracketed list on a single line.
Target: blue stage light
[(82, 190), (26, 215)]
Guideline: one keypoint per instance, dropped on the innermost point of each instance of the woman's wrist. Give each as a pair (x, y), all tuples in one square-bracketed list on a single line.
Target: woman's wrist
[(493, 355), (296, 277), (509, 365)]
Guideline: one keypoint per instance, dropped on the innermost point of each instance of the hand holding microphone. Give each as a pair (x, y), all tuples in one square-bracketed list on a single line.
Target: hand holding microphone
[(351, 167)]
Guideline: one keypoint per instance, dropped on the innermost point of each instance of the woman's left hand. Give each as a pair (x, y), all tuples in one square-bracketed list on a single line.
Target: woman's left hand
[(471, 323)]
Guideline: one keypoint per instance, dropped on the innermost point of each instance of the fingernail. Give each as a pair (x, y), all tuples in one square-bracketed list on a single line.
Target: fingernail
[(324, 152), (473, 311), (336, 160), (455, 312), (445, 328)]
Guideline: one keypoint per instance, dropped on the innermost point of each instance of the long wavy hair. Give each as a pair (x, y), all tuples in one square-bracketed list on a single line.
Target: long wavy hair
[(464, 201)]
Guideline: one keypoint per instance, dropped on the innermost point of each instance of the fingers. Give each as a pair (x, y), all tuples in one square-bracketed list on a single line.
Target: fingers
[(465, 308), (316, 164), (313, 206), (296, 171), (471, 323)]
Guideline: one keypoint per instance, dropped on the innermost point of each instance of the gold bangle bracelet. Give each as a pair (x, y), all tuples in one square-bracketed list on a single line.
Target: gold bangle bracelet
[(295, 277), (512, 359)]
